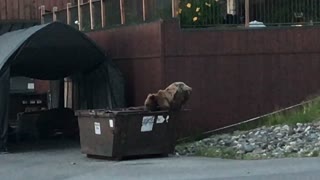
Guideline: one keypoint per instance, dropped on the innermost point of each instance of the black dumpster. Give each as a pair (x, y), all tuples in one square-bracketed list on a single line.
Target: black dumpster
[(121, 133)]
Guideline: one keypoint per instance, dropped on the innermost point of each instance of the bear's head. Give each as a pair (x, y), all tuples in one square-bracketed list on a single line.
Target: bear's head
[(172, 98), (151, 102), (158, 101)]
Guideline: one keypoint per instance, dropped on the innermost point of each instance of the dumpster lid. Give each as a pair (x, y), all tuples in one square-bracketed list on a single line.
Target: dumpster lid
[(120, 111)]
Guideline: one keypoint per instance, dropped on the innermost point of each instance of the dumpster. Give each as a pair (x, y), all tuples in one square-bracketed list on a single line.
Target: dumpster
[(124, 132)]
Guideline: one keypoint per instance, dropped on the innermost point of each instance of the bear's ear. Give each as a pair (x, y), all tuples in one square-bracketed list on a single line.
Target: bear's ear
[(152, 96)]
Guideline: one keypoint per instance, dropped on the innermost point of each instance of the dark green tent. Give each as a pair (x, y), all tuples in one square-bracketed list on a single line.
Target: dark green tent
[(52, 52)]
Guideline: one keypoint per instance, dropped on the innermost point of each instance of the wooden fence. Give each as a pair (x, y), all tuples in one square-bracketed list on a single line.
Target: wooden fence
[(95, 14), (27, 10)]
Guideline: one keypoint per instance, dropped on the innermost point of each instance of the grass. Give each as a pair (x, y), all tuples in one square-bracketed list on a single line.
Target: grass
[(226, 153), (306, 113), (230, 153)]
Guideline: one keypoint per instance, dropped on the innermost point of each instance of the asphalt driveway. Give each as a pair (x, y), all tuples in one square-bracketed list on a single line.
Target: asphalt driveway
[(67, 163)]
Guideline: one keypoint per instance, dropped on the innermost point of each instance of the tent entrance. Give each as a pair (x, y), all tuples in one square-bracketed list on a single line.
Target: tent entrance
[(45, 118)]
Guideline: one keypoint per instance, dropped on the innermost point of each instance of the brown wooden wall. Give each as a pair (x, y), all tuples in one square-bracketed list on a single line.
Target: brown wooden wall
[(13, 10), (137, 50), (236, 74), (241, 74)]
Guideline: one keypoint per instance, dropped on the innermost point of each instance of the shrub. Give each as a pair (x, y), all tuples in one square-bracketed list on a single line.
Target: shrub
[(200, 12)]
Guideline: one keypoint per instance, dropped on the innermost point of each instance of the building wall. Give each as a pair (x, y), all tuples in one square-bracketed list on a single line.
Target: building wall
[(137, 51), (235, 74)]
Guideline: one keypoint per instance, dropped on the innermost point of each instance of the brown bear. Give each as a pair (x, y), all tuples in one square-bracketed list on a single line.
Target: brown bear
[(172, 98)]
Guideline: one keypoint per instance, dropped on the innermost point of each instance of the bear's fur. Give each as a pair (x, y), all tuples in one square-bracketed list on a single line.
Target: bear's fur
[(172, 98)]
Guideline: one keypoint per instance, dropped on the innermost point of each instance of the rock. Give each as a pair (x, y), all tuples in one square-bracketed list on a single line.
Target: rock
[(288, 149), (251, 140), (279, 135), (221, 142), (248, 148), (275, 154), (312, 137), (263, 132), (291, 132), (286, 128), (307, 129), (299, 130), (235, 137), (264, 142), (280, 144), (228, 143), (264, 146), (276, 129), (270, 147), (257, 133), (258, 151), (293, 143), (240, 152)]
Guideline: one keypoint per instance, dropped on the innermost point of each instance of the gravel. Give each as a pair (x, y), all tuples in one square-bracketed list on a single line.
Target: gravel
[(300, 140)]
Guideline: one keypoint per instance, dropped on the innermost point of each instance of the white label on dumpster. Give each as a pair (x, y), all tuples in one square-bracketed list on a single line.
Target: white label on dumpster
[(97, 128), (160, 119), (147, 123), (111, 123)]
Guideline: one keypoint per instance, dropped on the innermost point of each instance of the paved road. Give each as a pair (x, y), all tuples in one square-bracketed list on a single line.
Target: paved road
[(70, 164)]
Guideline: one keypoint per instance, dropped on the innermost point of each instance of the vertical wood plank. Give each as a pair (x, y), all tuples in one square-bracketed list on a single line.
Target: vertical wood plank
[(122, 12), (68, 14), (3, 9), (9, 9), (80, 14), (42, 12), (103, 13), (15, 9), (144, 10), (91, 14), (21, 10), (54, 14), (37, 5), (175, 8), (27, 9), (247, 13)]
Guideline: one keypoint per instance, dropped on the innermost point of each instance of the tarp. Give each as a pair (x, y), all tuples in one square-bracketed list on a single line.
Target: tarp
[(52, 52)]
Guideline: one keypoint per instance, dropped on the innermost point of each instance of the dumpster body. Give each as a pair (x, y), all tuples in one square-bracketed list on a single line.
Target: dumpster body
[(121, 133)]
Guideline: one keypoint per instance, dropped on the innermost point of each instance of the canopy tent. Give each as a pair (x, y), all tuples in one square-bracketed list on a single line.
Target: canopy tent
[(8, 26), (52, 52)]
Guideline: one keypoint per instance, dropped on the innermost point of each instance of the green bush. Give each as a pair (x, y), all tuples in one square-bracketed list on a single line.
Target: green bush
[(199, 12)]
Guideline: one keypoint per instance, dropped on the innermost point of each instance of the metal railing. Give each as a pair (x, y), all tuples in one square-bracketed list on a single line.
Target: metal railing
[(221, 13), (95, 14)]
